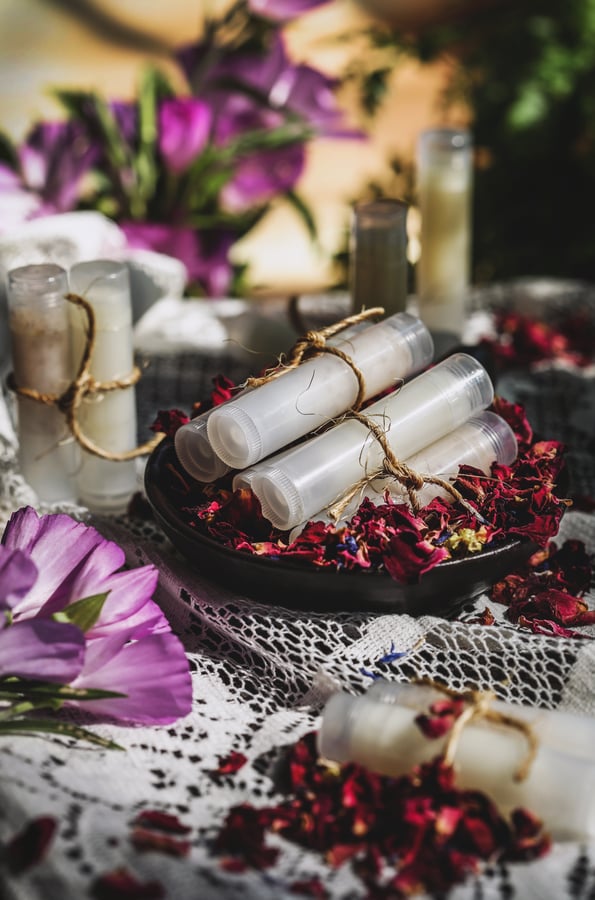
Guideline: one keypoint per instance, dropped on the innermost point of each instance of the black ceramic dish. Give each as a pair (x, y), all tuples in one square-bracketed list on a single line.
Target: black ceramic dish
[(442, 590)]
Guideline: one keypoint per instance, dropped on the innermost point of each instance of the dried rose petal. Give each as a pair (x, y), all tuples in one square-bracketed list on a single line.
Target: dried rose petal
[(31, 844), (149, 839), (169, 420), (231, 763), (121, 885), (155, 818)]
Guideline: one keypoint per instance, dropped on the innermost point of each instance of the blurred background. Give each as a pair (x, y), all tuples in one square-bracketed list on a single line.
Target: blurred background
[(522, 74)]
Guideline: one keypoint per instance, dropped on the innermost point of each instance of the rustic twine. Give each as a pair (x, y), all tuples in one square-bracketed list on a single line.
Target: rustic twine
[(314, 342), (82, 386), (479, 707)]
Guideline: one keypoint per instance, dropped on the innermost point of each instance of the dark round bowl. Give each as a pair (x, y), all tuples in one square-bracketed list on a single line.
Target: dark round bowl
[(440, 591)]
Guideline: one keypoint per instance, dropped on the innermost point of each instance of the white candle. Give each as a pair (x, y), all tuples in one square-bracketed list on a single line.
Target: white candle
[(378, 255), (377, 730), (444, 164), (40, 344), (108, 419), (271, 416), (296, 484)]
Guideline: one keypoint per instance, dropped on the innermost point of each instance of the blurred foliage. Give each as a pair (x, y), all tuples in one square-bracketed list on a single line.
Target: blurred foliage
[(527, 72)]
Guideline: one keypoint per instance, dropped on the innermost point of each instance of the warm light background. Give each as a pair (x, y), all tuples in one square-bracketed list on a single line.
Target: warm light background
[(47, 43)]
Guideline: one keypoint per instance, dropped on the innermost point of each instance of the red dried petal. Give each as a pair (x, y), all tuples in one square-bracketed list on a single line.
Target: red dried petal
[(148, 839), (223, 390), (121, 885), (311, 887), (31, 844), (155, 818), (169, 420), (231, 763)]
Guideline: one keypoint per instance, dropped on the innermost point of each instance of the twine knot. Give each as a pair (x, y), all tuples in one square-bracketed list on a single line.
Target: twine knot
[(479, 706), (83, 385)]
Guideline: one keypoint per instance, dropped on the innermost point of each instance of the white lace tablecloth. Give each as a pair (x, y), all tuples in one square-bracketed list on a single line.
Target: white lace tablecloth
[(261, 675)]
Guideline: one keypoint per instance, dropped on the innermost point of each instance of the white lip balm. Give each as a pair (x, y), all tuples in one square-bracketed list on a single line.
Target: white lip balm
[(108, 419), (378, 730), (40, 344), (270, 417), (296, 484), (478, 442), (194, 450)]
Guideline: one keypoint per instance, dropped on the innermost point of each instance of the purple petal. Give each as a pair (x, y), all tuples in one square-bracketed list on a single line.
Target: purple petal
[(262, 176), (184, 126), (153, 672), (206, 260), (18, 574), (73, 559), (283, 10), (54, 158), (42, 649)]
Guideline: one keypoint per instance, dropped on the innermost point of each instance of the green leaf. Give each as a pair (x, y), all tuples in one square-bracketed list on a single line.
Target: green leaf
[(304, 212), (8, 153), (40, 727), (40, 690), (83, 613)]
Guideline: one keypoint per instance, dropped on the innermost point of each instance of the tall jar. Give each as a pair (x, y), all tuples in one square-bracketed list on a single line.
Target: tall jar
[(108, 419), (41, 361), (444, 179), (378, 255)]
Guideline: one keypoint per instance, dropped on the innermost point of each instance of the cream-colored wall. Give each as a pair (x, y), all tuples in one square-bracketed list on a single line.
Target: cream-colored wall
[(41, 46)]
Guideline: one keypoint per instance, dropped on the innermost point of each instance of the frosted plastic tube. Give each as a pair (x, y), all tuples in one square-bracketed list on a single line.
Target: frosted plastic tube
[(482, 440), (195, 452), (297, 483), (279, 412), (377, 730)]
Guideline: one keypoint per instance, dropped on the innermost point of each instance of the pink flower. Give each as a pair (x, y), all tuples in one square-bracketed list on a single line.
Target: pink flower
[(48, 564), (184, 125)]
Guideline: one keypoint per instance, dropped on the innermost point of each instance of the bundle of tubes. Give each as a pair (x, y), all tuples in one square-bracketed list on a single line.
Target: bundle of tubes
[(293, 442)]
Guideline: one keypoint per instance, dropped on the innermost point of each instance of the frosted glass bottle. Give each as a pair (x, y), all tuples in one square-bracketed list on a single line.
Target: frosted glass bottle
[(40, 346), (378, 255), (268, 418), (108, 419), (445, 176), (377, 730), (296, 484)]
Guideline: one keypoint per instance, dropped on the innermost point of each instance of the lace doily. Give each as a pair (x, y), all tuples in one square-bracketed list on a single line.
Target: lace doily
[(261, 675)]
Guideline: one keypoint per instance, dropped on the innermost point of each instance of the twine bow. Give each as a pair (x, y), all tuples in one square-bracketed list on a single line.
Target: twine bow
[(84, 385), (479, 707), (392, 467), (315, 342)]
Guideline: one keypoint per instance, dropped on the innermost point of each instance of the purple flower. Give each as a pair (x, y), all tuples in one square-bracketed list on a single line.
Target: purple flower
[(205, 256), (64, 561), (42, 649), (53, 159), (150, 700), (261, 176), (87, 565), (184, 126), (283, 10)]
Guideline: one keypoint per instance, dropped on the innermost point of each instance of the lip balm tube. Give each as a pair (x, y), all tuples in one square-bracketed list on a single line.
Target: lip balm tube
[(445, 173), (378, 730), (195, 452), (109, 419), (294, 485), (40, 345), (478, 442), (270, 417)]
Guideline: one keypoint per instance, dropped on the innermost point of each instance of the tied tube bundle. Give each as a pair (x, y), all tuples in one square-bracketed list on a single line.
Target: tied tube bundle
[(295, 485), (278, 412), (378, 730), (479, 442)]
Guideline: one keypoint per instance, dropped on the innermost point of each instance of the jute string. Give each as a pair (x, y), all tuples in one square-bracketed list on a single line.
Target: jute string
[(83, 386), (478, 706), (315, 342)]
